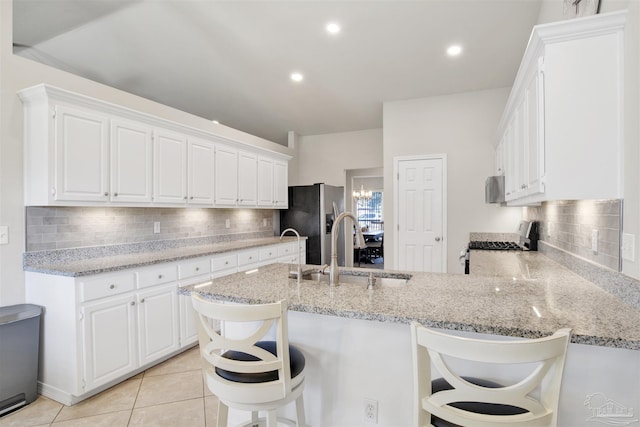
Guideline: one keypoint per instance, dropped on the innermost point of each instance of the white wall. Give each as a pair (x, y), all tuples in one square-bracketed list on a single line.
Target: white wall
[(17, 73), (464, 127), (325, 158)]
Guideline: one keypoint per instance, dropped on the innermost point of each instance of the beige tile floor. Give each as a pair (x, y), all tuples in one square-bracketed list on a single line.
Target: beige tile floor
[(169, 394)]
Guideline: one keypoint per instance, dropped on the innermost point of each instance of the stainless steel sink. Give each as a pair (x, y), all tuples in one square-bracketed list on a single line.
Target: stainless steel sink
[(387, 280)]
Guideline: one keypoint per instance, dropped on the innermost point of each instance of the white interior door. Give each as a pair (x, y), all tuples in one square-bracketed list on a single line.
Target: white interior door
[(420, 214)]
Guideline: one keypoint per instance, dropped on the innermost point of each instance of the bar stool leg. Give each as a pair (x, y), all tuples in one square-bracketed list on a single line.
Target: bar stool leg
[(302, 422), (223, 412), (272, 418)]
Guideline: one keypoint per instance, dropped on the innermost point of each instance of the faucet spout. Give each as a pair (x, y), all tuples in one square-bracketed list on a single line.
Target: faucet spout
[(334, 274), (299, 270)]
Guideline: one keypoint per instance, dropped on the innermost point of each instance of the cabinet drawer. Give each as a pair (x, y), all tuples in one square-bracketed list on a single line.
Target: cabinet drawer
[(224, 262), (288, 249), (157, 275), (103, 286), (249, 257), (270, 252), (196, 267)]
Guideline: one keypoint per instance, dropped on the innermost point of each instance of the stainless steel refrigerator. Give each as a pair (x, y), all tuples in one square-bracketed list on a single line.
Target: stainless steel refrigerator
[(312, 210)]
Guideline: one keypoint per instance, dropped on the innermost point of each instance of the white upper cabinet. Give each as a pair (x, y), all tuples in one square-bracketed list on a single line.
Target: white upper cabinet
[(281, 184), (226, 176), (170, 167), (561, 132), (247, 179), (81, 151), (272, 183), (131, 161), (82, 155), (200, 183)]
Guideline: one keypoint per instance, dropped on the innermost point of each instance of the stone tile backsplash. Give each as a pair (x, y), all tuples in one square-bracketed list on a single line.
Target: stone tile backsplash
[(568, 225), (71, 227)]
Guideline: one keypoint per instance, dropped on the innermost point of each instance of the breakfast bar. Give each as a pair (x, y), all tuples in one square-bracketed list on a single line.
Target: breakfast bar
[(357, 340)]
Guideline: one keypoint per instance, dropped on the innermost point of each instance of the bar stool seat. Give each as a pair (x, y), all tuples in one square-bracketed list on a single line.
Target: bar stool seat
[(296, 362)]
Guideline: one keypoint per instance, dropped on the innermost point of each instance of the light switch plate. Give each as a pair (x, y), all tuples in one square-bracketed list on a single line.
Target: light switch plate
[(227, 223), (594, 241), (4, 235), (628, 246), (156, 227)]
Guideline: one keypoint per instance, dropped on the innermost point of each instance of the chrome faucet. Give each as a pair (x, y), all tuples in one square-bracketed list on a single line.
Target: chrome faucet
[(334, 274), (299, 271)]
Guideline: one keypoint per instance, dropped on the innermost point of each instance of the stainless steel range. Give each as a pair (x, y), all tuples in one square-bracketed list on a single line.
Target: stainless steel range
[(527, 241)]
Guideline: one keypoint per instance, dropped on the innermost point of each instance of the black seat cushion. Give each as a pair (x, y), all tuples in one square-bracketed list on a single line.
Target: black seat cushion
[(296, 361), (441, 384)]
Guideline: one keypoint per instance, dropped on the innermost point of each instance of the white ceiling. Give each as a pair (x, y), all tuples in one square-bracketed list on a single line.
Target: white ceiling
[(231, 60)]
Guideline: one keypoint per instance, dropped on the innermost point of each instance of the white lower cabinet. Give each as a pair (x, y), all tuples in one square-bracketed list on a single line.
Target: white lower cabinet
[(101, 329), (157, 316), (109, 339), (124, 332)]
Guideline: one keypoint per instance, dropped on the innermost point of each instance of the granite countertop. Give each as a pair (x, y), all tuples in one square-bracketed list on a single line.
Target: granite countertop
[(541, 298), (85, 262)]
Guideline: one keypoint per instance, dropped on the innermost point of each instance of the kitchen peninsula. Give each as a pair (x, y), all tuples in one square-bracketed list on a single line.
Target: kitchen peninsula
[(358, 345)]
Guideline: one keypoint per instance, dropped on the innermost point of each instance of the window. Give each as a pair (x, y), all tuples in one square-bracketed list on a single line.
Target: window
[(369, 211)]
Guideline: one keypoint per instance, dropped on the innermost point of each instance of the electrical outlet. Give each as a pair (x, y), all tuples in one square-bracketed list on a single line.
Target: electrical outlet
[(628, 246), (227, 223), (371, 411), (156, 227), (549, 227), (594, 241)]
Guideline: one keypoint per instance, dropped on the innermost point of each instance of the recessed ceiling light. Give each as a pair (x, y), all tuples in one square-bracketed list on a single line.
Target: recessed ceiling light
[(297, 77), (216, 122), (333, 28), (454, 50)]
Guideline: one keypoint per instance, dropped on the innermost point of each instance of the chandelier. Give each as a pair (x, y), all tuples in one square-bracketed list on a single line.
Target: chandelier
[(362, 194)]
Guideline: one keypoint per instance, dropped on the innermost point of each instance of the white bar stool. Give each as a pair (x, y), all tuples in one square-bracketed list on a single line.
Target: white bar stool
[(454, 400), (246, 373)]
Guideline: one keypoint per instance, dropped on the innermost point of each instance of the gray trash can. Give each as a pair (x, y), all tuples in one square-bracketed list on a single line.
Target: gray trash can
[(19, 344)]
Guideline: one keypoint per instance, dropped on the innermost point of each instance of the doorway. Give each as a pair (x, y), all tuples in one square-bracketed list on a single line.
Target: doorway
[(420, 213), (369, 212)]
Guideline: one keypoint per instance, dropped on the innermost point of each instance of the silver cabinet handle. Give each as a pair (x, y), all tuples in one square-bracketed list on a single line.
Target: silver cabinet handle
[(159, 276), (112, 286), (185, 197), (142, 300), (106, 193), (133, 303), (191, 197), (437, 239), (115, 194), (197, 268), (226, 263)]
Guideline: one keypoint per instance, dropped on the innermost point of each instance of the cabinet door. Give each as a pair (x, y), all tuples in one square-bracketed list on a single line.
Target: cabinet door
[(226, 176), (131, 161), (534, 99), (188, 326), (510, 173), (81, 155), (265, 182), (170, 167), (281, 184), (109, 339), (499, 160), (200, 171), (247, 179), (158, 322)]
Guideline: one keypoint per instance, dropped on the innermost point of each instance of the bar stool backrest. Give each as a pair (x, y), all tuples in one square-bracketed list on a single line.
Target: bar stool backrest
[(213, 345), (433, 348)]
